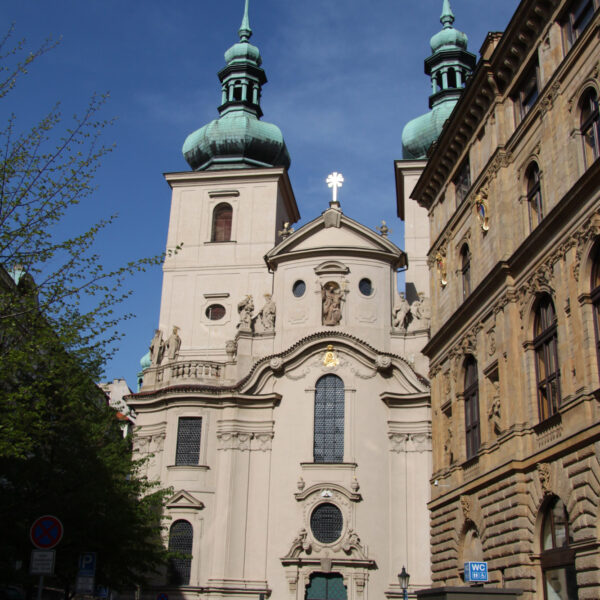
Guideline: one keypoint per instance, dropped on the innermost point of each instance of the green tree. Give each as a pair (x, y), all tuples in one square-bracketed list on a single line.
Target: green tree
[(61, 449)]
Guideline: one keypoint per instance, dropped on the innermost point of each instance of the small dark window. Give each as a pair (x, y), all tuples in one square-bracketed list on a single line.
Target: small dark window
[(546, 358), (557, 558), (329, 420), (579, 15), (215, 312), (299, 288), (365, 287), (221, 230), (534, 195), (590, 126), (326, 523), (595, 287), (188, 441), (528, 91), (181, 538), (465, 255), (471, 395), (462, 182)]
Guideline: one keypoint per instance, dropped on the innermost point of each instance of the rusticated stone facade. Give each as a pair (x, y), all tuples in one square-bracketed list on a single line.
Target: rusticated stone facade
[(514, 347)]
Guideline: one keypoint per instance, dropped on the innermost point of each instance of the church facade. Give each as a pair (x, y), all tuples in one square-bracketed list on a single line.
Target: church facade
[(284, 398)]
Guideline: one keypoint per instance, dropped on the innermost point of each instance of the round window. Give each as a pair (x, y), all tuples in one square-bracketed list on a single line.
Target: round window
[(326, 523), (365, 286), (215, 312), (299, 288)]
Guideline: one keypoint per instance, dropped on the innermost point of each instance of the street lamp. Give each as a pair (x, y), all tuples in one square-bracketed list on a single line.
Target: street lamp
[(403, 578)]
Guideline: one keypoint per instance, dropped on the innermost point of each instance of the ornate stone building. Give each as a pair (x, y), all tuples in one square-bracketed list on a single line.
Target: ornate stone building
[(512, 191), (284, 397)]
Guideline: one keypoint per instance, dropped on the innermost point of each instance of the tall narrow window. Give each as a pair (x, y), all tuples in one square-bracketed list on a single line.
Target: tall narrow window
[(462, 182), (465, 256), (590, 128), (546, 358), (534, 195), (595, 287), (471, 395), (528, 91), (579, 15), (181, 538), (557, 558), (329, 420), (221, 227), (188, 441)]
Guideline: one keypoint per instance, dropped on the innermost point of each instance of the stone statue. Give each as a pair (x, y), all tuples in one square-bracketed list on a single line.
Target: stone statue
[(157, 348), (421, 310), (173, 345), (400, 311), (267, 314), (331, 296), (245, 309), (494, 413)]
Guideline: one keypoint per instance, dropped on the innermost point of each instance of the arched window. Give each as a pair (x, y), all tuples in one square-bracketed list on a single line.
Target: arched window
[(180, 541), (546, 358), (557, 558), (590, 127), (329, 420), (534, 195), (595, 287), (471, 396), (221, 226), (465, 259)]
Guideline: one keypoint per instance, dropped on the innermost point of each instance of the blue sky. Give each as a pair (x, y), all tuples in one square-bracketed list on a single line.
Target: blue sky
[(344, 78)]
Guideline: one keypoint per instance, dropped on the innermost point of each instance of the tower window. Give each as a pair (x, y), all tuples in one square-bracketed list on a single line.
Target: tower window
[(534, 195), (366, 287), (471, 395), (221, 226), (215, 312), (546, 358), (326, 523), (299, 288), (181, 538), (590, 127), (188, 441), (329, 420)]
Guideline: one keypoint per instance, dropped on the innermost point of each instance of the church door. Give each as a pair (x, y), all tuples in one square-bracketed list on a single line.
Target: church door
[(326, 587)]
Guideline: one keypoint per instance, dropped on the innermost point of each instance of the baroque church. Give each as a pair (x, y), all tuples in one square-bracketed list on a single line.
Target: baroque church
[(285, 397)]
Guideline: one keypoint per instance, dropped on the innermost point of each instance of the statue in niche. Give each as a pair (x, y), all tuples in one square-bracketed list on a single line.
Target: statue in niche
[(494, 413), (173, 345), (421, 311), (245, 309), (157, 348), (267, 314), (331, 296), (400, 312)]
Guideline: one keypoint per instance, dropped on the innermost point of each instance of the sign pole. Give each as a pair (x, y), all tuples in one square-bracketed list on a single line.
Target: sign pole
[(40, 587)]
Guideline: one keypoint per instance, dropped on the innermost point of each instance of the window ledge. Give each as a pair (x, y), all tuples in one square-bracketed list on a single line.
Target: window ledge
[(220, 243), (183, 467)]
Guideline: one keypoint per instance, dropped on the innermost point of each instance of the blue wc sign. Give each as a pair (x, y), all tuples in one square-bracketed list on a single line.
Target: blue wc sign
[(476, 571)]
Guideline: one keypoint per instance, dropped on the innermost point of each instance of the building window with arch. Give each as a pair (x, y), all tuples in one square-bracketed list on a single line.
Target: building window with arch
[(534, 195), (329, 420), (545, 346), (590, 126), (181, 537), (221, 223), (557, 557), (595, 293), (465, 268), (471, 397)]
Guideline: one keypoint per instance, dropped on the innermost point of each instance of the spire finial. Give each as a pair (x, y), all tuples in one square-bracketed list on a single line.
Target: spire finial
[(244, 31), (447, 17)]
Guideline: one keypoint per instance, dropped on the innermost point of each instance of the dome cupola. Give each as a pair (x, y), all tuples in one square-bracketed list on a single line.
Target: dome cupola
[(238, 139)]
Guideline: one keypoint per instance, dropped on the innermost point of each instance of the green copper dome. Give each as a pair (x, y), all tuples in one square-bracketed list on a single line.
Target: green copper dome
[(238, 138), (449, 66)]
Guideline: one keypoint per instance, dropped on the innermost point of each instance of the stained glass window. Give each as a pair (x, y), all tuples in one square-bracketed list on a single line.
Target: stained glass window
[(188, 441), (326, 523), (329, 420), (180, 540)]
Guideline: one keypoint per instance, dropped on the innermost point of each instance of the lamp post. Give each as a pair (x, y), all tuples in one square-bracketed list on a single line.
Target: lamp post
[(403, 578)]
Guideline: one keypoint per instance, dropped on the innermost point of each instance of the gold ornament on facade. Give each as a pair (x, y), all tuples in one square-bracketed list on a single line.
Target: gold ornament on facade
[(330, 359), (483, 212), (440, 263)]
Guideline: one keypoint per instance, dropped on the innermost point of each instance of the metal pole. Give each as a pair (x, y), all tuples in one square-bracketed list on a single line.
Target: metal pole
[(40, 587), (405, 593)]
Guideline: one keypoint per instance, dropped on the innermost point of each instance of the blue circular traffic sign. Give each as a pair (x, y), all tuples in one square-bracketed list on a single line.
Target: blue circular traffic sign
[(162, 596), (46, 532)]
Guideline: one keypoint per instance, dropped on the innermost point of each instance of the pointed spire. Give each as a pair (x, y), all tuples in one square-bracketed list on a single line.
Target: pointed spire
[(244, 31), (447, 16)]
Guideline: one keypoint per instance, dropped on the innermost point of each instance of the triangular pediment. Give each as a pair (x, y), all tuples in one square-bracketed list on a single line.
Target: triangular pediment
[(183, 499), (334, 232)]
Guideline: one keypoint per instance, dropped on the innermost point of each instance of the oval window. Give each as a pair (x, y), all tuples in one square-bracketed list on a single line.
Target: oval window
[(326, 523), (365, 286), (299, 288), (215, 312)]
